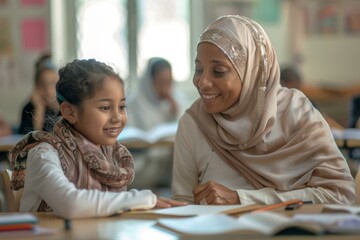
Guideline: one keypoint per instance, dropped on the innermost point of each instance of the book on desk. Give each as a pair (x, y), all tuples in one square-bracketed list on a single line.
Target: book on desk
[(21, 225), (266, 223), (11, 222), (160, 134)]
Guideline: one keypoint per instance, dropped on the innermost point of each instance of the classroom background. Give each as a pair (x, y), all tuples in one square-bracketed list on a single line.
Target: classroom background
[(321, 38)]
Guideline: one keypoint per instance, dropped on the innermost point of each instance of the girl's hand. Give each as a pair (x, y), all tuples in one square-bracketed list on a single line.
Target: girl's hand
[(166, 203), (213, 193)]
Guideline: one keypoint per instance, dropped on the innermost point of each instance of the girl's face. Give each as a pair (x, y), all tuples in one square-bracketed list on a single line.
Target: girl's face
[(216, 79), (46, 86), (101, 118)]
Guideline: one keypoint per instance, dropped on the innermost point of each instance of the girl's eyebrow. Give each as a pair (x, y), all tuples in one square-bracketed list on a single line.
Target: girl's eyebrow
[(109, 100)]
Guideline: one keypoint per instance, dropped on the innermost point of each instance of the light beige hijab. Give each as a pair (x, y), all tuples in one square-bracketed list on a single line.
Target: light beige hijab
[(273, 136)]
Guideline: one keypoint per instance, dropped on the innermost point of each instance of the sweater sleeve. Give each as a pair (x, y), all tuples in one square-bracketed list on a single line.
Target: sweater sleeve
[(316, 195), (185, 170), (46, 181)]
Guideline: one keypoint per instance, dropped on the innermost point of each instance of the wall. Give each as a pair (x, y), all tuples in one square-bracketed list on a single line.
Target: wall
[(326, 60), (24, 35)]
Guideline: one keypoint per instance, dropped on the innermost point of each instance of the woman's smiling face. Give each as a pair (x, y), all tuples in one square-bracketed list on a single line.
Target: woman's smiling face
[(216, 79)]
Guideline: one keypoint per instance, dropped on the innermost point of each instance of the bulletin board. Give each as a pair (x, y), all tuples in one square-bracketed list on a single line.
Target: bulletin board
[(263, 11), (24, 35), (332, 17)]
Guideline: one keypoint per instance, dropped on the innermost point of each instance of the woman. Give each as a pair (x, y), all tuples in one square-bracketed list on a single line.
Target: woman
[(154, 102), (247, 139)]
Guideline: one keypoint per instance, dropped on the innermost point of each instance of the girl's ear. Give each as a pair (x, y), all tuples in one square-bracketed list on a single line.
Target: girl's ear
[(69, 112)]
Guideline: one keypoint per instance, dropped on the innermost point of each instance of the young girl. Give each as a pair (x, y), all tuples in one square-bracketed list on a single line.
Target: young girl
[(80, 170), (42, 107)]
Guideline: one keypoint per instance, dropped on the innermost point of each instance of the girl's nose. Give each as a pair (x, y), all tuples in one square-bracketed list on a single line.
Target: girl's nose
[(117, 116)]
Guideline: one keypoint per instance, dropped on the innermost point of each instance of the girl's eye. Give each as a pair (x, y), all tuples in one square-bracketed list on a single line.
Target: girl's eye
[(105, 108), (122, 108)]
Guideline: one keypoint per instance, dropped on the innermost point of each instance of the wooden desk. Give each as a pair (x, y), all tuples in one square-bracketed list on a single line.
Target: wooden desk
[(6, 143), (347, 138), (123, 227)]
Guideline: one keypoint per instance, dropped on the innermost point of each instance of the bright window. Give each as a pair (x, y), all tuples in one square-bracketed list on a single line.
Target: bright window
[(163, 31)]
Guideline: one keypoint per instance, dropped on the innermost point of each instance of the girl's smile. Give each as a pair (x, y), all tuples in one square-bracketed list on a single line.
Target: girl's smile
[(102, 117)]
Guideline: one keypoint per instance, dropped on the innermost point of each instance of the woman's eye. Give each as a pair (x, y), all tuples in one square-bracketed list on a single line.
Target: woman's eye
[(105, 108), (122, 108), (198, 70), (220, 71)]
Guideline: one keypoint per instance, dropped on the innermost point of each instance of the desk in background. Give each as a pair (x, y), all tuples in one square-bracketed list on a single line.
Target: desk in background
[(347, 138), (6, 143)]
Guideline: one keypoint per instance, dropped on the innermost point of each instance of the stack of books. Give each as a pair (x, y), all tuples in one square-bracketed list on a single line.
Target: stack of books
[(21, 225), (17, 222)]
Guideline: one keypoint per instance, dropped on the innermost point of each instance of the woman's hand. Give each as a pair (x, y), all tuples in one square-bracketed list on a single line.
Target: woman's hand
[(166, 203), (213, 193)]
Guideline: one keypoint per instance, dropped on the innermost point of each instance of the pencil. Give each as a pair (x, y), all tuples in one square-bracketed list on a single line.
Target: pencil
[(277, 205), (202, 175)]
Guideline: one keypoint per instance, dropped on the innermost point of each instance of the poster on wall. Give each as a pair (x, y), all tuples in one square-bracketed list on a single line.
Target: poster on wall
[(33, 34), (265, 11), (322, 17), (6, 48), (3, 3), (352, 17), (332, 17), (7, 64), (28, 3), (327, 18)]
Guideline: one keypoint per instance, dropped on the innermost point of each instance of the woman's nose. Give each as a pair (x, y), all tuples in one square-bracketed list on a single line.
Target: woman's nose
[(204, 81)]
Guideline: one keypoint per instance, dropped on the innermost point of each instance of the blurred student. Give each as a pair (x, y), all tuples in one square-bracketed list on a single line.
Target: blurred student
[(355, 112), (354, 119), (80, 169), (5, 128), (290, 78), (39, 113), (154, 101)]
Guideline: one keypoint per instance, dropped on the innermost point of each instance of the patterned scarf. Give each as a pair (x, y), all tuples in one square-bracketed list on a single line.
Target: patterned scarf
[(108, 168)]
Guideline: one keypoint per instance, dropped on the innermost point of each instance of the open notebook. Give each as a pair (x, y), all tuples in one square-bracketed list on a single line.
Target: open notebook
[(162, 133), (266, 223)]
